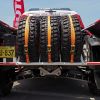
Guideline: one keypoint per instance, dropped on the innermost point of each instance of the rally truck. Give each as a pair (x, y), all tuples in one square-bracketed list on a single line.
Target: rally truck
[(50, 42)]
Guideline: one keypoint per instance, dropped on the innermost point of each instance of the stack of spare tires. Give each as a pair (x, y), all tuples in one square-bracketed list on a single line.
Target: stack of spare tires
[(50, 39)]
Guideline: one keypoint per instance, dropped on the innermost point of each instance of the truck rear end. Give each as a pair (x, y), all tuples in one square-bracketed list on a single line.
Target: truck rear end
[(49, 43)]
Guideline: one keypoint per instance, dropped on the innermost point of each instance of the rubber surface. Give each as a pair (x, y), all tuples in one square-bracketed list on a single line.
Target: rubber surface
[(20, 39), (33, 39), (66, 39), (55, 39), (33, 43), (79, 40)]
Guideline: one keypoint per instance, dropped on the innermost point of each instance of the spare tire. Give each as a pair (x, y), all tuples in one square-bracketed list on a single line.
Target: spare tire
[(66, 39), (43, 40), (20, 39), (78, 40), (33, 43), (33, 37), (55, 39)]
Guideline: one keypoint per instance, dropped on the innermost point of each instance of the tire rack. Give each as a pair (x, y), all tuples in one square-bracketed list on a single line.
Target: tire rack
[(49, 64)]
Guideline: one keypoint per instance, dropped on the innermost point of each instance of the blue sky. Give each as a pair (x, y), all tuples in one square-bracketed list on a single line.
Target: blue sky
[(89, 10)]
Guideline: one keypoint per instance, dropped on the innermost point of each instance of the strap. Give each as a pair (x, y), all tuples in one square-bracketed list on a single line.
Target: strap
[(26, 38), (49, 40), (72, 39)]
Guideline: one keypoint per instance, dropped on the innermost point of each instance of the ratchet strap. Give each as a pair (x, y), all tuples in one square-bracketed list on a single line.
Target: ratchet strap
[(26, 34), (49, 40), (72, 39)]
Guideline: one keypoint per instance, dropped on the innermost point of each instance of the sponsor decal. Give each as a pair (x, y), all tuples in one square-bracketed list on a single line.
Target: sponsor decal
[(18, 10)]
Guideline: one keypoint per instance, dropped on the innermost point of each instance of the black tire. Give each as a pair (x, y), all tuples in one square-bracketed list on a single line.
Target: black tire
[(20, 39), (43, 40), (33, 45), (55, 39), (33, 42), (66, 39), (79, 39), (6, 82)]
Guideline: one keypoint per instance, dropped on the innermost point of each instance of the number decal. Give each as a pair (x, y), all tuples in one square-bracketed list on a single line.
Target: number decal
[(7, 52)]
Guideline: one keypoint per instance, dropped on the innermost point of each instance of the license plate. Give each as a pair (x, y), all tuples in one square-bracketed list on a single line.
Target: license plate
[(7, 52)]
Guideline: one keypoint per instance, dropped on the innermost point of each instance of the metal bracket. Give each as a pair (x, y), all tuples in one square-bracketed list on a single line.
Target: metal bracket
[(72, 48), (44, 72)]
